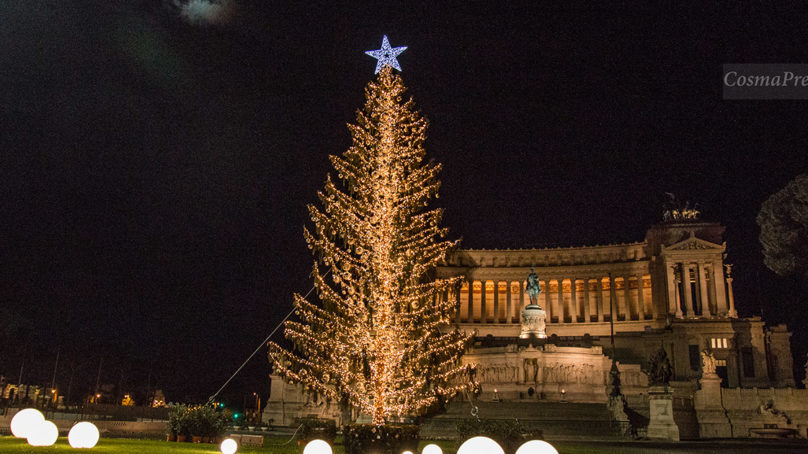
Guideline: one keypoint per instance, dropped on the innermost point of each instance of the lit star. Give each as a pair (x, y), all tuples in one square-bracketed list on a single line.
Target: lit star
[(386, 55)]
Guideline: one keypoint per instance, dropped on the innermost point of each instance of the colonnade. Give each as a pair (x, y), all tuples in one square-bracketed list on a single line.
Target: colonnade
[(699, 289), (565, 300)]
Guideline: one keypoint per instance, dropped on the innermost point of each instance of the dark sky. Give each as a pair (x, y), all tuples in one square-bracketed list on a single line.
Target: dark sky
[(154, 173)]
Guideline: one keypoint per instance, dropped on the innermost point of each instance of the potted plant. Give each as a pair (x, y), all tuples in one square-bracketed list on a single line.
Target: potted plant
[(171, 428), (220, 425), (175, 412)]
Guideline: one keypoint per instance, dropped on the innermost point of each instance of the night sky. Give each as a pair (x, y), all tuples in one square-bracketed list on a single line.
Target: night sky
[(155, 167)]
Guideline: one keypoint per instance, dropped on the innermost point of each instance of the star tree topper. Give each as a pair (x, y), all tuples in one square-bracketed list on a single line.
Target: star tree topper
[(386, 55)]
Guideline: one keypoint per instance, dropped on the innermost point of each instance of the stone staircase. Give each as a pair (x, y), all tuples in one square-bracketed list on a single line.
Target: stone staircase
[(556, 420)]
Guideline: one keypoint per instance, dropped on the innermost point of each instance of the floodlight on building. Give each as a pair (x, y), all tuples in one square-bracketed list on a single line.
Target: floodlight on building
[(25, 421), (536, 447), (228, 446), (317, 447), (83, 435), (432, 449), (44, 434), (480, 445)]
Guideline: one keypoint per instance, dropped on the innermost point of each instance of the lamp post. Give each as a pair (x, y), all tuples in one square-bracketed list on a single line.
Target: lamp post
[(257, 408)]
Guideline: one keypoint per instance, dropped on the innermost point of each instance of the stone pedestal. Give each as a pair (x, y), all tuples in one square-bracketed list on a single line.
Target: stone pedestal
[(662, 425), (617, 405), (533, 318), (712, 418)]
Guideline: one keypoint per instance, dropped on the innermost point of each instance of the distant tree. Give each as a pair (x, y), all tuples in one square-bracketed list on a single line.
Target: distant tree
[(783, 221)]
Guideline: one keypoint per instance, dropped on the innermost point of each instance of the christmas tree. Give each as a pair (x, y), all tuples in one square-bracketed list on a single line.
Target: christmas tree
[(379, 337)]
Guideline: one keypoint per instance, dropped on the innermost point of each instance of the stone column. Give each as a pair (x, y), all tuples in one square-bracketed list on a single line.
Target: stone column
[(560, 300), (548, 301), (482, 301), (615, 309), (496, 302), (720, 293), (599, 299), (641, 298), (587, 316), (629, 305), (676, 294), (687, 290), (670, 273), (522, 285), (705, 295), (509, 303), (574, 309), (732, 312)]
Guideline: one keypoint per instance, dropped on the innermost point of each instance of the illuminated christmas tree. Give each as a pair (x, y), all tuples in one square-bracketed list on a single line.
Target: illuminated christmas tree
[(379, 336)]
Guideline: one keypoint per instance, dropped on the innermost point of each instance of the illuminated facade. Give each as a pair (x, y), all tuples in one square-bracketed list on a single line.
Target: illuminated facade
[(671, 290)]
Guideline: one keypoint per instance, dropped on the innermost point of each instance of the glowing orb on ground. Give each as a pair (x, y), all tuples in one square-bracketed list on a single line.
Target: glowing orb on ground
[(83, 435), (317, 447), (432, 449), (480, 445), (44, 434), (536, 447), (407, 452), (228, 446), (25, 421)]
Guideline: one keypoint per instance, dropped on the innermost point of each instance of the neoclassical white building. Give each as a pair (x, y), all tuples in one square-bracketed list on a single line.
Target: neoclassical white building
[(617, 302), (672, 289)]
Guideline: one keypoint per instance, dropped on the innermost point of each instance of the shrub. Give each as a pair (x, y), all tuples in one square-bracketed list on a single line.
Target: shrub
[(201, 421), (175, 412), (509, 433), (387, 439), (316, 428)]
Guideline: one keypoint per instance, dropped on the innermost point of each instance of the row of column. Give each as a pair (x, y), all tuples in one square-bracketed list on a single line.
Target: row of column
[(573, 300), (699, 289)]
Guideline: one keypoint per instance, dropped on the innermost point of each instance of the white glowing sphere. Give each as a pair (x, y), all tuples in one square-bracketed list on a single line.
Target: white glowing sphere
[(536, 447), (83, 435), (228, 446), (480, 445), (432, 449), (44, 434), (25, 421), (317, 447)]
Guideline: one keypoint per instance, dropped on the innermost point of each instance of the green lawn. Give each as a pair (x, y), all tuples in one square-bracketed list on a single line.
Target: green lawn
[(274, 445)]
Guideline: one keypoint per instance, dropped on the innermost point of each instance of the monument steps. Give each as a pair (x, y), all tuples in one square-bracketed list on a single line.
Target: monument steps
[(555, 419)]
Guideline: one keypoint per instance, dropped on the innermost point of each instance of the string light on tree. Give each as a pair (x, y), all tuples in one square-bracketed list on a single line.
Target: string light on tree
[(379, 338)]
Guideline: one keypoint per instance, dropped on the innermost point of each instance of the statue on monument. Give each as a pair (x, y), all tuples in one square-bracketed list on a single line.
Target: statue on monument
[(659, 368), (614, 380), (533, 287), (675, 211), (708, 364)]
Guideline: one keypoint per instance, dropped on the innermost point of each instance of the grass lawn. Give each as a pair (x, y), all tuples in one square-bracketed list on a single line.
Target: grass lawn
[(274, 445)]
